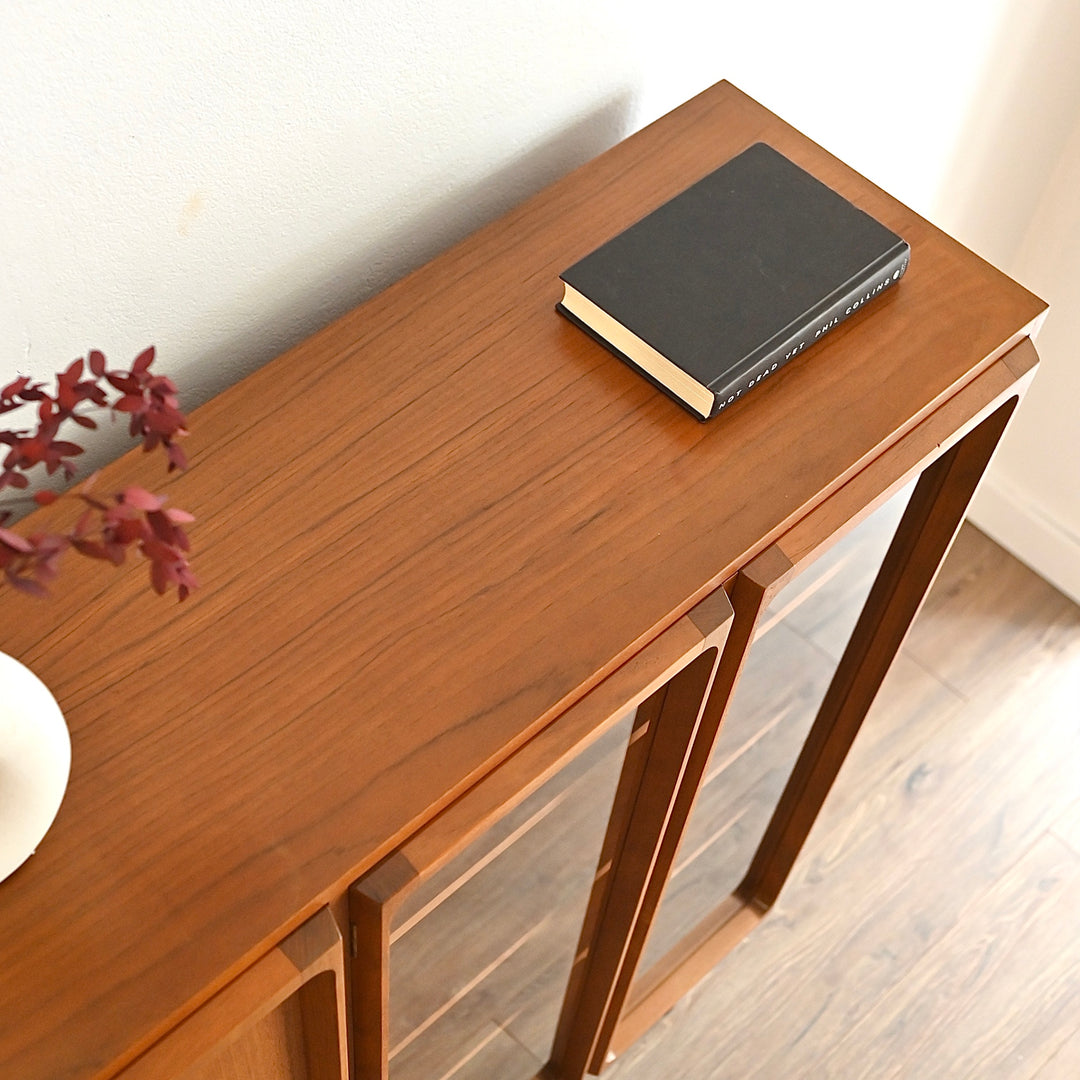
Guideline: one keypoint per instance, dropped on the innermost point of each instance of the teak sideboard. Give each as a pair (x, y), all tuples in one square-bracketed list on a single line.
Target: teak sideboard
[(446, 544)]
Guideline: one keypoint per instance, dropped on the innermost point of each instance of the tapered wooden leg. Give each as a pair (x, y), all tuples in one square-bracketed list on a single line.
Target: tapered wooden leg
[(922, 540), (568, 1032), (640, 817), (751, 592), (648, 819), (926, 531)]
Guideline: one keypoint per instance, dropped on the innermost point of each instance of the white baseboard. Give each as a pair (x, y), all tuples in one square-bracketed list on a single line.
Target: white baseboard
[(1022, 528)]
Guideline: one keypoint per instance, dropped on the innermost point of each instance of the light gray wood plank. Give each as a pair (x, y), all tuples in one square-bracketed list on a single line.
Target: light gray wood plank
[(990, 997), (1067, 827), (1065, 1064), (484, 1052), (986, 615)]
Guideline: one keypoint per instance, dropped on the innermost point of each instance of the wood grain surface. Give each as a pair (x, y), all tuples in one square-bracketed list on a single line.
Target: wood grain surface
[(422, 534)]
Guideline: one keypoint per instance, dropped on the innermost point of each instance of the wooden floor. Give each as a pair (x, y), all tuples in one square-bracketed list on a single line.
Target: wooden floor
[(932, 927)]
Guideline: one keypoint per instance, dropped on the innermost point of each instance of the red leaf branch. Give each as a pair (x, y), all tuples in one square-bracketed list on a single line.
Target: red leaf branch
[(107, 527)]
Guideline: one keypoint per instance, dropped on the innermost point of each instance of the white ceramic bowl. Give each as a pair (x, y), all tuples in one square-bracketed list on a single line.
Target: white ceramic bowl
[(35, 760)]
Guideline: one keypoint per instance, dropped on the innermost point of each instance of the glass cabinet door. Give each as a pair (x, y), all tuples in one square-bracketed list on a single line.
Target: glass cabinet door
[(797, 644), (466, 939), (480, 954)]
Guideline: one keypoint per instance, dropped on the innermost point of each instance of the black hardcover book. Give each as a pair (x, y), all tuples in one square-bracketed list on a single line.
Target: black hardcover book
[(729, 280)]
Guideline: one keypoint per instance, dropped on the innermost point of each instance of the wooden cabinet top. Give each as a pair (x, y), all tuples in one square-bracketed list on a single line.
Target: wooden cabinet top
[(422, 533)]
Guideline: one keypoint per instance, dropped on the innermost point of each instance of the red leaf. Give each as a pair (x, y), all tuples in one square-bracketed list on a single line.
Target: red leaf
[(106, 528), (49, 545), (27, 585), (159, 578), (127, 532), (15, 541), (67, 449), (82, 526), (177, 457), (163, 529), (143, 360), (91, 548), (160, 551), (130, 403), (122, 382), (142, 499), (14, 388)]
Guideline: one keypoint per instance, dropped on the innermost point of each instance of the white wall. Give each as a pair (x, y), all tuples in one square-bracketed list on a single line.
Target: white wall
[(221, 179), (1013, 194)]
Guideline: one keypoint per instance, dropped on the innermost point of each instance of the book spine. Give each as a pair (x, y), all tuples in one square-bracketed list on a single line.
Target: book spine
[(796, 343)]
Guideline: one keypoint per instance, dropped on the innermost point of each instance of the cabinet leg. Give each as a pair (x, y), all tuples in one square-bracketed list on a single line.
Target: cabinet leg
[(923, 538), (643, 809), (751, 592)]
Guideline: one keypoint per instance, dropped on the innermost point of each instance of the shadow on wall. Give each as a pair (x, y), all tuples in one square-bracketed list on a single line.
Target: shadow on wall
[(343, 284), (1024, 112)]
